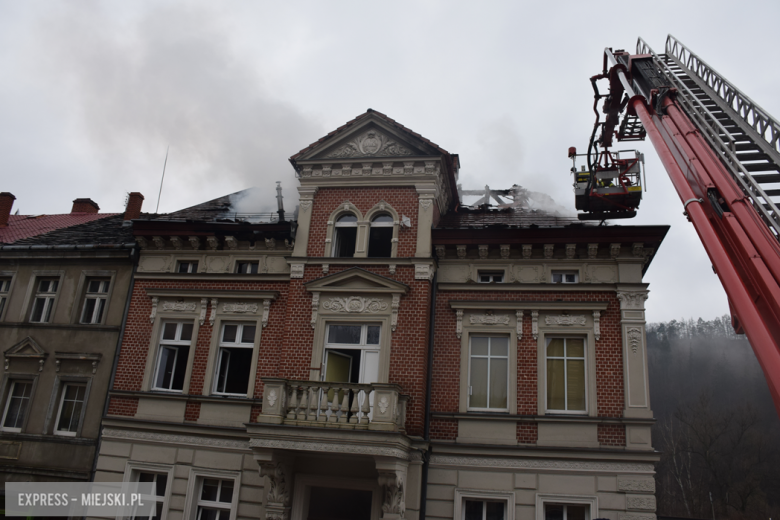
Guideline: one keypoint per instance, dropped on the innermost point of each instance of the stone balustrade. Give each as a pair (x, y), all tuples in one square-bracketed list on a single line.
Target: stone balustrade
[(374, 406)]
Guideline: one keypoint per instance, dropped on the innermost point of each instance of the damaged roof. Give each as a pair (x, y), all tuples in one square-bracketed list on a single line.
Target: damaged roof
[(108, 230), (479, 218), (25, 226)]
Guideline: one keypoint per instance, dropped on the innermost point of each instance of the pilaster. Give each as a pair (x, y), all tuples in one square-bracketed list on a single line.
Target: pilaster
[(427, 198), (307, 194)]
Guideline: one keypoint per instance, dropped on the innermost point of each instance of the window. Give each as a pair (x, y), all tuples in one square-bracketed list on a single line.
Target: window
[(234, 361), (192, 267), (215, 499), (352, 353), (160, 481), (345, 236), (565, 276), (71, 404), (566, 375), (172, 357), (95, 301), (565, 512), (44, 300), (380, 237), (488, 373), (5, 286), (490, 276), (17, 404), (474, 509), (245, 267)]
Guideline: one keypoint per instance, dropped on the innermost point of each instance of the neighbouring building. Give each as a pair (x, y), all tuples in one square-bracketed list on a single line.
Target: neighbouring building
[(64, 283), (386, 352)]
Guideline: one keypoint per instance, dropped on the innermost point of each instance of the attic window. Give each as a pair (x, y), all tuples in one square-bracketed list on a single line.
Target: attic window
[(345, 236)]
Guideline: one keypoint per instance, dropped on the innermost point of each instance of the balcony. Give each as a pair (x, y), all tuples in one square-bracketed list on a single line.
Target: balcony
[(348, 406)]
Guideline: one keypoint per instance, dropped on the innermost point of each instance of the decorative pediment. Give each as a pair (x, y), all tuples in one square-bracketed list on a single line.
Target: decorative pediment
[(28, 348), (356, 280), (373, 138)]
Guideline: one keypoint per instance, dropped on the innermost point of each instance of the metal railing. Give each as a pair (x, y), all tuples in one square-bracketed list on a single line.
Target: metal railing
[(718, 137)]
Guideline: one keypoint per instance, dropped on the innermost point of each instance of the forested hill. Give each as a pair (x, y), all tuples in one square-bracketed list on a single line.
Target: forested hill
[(717, 427)]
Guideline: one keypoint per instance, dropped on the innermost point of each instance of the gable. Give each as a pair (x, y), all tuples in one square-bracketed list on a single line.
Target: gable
[(356, 280)]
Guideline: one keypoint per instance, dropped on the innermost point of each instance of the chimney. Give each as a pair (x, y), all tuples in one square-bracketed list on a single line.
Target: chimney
[(6, 203), (133, 209), (85, 206)]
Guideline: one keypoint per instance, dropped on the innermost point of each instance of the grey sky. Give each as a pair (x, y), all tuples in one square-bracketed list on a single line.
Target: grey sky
[(92, 93)]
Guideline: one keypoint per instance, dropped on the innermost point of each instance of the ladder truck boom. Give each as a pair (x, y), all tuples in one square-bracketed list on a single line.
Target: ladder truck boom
[(722, 153)]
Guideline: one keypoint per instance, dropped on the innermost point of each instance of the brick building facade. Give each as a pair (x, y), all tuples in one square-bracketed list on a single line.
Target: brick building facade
[(388, 353)]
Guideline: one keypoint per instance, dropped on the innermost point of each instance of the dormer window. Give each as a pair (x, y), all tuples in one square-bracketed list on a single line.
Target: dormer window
[(345, 236), (380, 238)]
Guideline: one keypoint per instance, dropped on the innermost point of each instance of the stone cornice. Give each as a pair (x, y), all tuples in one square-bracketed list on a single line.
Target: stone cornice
[(208, 293), (527, 305), (525, 287)]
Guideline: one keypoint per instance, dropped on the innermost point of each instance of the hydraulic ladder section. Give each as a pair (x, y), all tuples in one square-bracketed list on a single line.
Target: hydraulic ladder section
[(721, 152)]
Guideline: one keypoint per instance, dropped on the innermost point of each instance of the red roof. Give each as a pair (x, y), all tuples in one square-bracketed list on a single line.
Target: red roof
[(25, 226)]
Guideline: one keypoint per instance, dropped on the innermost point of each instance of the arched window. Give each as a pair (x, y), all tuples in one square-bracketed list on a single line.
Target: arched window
[(345, 236), (380, 237)]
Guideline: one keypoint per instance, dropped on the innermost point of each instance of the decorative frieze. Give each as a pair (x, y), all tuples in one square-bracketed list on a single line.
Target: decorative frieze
[(371, 143), (519, 315), (614, 250), (483, 251), (459, 323), (504, 251), (355, 305), (239, 308), (159, 242), (571, 251), (532, 464), (638, 249), (213, 243), (194, 242), (142, 243), (203, 308), (266, 311), (535, 324), (597, 324), (593, 251), (213, 317), (176, 242), (461, 251), (527, 250), (179, 306), (566, 320), (489, 319), (441, 251), (548, 250)]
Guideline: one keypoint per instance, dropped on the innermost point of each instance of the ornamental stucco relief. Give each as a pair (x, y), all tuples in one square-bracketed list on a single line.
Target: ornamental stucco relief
[(371, 143)]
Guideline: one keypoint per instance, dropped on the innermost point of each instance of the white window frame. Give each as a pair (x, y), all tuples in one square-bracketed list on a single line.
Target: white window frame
[(564, 273), (238, 344), (49, 298), (134, 469), (337, 236), (363, 345), (508, 357), (98, 296), (492, 273), (61, 401), (461, 495), (584, 358), (195, 486), (5, 290), (12, 381), (192, 266), (162, 343), (590, 501)]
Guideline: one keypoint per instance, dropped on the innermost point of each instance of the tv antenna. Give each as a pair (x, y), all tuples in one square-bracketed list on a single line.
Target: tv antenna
[(162, 179)]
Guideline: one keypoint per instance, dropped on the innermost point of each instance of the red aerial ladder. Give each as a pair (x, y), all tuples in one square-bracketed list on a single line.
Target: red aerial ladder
[(722, 153)]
